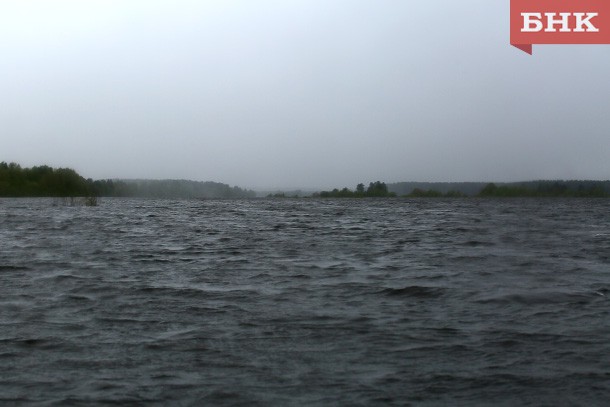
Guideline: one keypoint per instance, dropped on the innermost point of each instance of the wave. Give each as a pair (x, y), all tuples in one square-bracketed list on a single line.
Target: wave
[(413, 291)]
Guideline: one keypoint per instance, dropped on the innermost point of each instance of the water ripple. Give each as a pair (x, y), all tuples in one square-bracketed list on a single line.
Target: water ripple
[(305, 302)]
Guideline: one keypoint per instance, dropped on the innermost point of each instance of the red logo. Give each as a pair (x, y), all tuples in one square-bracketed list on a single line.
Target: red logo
[(559, 22)]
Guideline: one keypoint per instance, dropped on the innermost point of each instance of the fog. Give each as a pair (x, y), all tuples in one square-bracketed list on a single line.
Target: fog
[(299, 94)]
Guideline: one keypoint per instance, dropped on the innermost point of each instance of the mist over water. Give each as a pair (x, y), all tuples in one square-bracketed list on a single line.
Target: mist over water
[(305, 302)]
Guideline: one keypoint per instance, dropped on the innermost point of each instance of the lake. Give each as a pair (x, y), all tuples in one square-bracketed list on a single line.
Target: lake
[(305, 302)]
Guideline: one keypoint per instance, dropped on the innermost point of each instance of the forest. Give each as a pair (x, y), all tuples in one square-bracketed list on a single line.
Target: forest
[(45, 181), (541, 189), (533, 189)]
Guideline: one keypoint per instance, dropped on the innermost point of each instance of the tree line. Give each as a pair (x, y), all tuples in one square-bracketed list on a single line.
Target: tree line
[(376, 189), (45, 181), (534, 189), (541, 189), (40, 181)]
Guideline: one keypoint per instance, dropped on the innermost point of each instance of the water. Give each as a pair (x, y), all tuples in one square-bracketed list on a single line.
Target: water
[(305, 302)]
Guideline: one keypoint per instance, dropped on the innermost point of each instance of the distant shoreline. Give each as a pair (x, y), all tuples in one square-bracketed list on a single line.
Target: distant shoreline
[(45, 181), (529, 189)]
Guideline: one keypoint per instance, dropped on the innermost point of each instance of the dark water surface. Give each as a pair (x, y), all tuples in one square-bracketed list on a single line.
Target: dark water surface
[(305, 302)]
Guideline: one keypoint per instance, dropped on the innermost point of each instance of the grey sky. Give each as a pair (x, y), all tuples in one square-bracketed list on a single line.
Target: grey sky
[(296, 93)]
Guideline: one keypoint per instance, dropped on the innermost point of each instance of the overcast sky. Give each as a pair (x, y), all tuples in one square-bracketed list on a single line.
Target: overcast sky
[(296, 93)]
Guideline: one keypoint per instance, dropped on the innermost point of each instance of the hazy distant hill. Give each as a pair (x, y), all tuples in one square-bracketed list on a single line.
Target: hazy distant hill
[(184, 189)]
